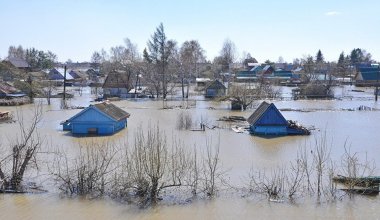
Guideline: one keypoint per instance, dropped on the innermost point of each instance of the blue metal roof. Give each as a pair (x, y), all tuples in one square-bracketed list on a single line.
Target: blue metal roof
[(282, 73), (370, 73), (246, 74)]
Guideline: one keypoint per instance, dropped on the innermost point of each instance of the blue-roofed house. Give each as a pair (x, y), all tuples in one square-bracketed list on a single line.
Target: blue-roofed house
[(99, 119), (367, 76), (267, 120), (283, 74), (250, 75), (267, 70), (54, 74)]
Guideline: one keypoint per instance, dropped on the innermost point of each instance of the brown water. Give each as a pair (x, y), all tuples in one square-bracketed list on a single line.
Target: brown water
[(238, 153)]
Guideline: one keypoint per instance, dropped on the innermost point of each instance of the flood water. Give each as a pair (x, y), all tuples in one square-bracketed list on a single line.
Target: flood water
[(337, 119)]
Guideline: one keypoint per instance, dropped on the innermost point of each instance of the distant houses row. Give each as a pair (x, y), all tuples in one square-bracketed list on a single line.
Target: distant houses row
[(118, 83)]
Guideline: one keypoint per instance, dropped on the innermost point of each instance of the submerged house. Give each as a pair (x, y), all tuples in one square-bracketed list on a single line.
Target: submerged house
[(100, 119), (268, 120), (367, 76), (117, 84), (215, 89)]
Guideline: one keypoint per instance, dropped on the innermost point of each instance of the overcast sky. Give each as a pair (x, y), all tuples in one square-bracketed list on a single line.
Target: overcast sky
[(267, 29)]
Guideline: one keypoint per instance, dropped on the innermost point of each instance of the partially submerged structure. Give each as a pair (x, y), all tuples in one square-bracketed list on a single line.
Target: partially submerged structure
[(215, 89), (367, 76), (268, 120), (117, 84), (99, 119)]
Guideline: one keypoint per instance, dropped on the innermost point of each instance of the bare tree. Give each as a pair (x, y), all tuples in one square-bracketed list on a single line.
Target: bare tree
[(227, 54), (159, 167), (16, 52), (88, 172), (242, 95), (353, 168), (184, 120), (294, 178), (213, 176), (309, 68), (23, 152), (272, 185), (191, 54), (321, 156)]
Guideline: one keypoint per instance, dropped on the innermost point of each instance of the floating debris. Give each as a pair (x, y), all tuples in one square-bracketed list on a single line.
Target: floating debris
[(297, 127), (6, 117), (366, 108), (240, 129), (232, 118)]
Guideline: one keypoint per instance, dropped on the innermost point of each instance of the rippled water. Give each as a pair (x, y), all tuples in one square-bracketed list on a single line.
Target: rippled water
[(238, 153)]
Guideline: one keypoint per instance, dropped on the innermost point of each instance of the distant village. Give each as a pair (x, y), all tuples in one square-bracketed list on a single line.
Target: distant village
[(118, 78)]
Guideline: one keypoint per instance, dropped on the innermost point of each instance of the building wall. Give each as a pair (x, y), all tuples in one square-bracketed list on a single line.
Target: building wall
[(85, 128), (210, 93), (269, 130), (115, 92), (93, 121)]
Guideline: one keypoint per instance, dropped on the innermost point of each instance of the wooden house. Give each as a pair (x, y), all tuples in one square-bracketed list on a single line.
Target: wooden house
[(92, 75), (99, 119), (18, 63), (215, 89), (268, 120), (117, 84)]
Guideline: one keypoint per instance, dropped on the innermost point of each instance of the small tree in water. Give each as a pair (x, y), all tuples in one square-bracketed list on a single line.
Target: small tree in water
[(23, 151)]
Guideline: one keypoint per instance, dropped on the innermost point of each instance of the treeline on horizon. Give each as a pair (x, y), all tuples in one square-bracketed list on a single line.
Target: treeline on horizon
[(160, 48)]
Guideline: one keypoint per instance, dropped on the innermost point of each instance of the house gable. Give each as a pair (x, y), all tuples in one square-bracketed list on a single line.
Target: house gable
[(92, 115), (216, 84), (117, 80), (272, 116), (215, 88), (267, 114)]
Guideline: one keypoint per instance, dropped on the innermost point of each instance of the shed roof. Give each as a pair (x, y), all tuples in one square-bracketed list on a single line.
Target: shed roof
[(256, 115), (216, 84), (74, 74), (267, 67), (117, 80), (109, 109), (18, 62), (369, 73), (58, 74), (112, 110)]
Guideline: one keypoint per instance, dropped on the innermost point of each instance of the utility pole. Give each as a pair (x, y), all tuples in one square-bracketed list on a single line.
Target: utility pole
[(377, 82), (64, 87)]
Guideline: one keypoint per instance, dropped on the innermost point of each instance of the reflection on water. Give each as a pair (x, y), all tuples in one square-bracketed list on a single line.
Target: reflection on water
[(238, 153)]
